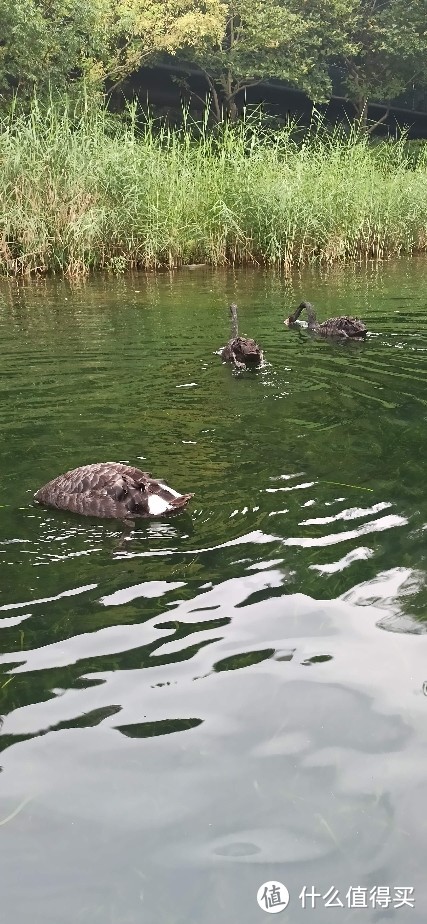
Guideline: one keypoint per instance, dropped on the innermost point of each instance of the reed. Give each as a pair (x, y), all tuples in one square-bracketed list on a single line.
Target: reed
[(82, 190)]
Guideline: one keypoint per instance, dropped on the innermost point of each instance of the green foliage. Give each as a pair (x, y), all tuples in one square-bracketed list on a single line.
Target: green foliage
[(45, 42), (389, 41), (136, 31), (258, 39), (380, 44), (82, 191)]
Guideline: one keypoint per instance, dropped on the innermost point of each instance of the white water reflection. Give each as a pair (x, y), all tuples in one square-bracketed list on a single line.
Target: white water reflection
[(147, 589), (257, 537), (64, 593), (386, 587), (362, 553), (352, 513), (374, 526), (347, 739)]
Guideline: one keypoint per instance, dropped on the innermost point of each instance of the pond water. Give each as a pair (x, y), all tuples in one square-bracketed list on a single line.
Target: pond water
[(234, 695)]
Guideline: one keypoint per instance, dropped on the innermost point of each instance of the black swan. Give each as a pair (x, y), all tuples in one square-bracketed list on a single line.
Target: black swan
[(334, 327), (243, 352), (111, 489)]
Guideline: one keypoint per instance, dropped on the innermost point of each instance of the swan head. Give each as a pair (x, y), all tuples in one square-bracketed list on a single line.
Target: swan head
[(157, 499), (294, 317)]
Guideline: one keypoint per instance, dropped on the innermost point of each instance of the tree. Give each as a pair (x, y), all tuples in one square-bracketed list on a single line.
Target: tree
[(137, 31), (53, 42), (45, 42), (389, 42), (292, 40)]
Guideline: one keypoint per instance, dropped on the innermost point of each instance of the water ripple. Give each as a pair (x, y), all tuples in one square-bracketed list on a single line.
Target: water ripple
[(159, 689), (373, 526)]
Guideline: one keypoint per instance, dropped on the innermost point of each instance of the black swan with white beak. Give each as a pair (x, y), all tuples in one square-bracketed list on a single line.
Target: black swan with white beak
[(344, 326)]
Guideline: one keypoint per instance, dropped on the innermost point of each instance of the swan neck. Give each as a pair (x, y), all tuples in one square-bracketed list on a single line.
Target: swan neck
[(234, 324), (311, 315)]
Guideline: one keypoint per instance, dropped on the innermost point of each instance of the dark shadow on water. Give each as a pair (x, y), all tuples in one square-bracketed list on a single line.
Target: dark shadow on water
[(153, 729), (244, 659), (88, 720)]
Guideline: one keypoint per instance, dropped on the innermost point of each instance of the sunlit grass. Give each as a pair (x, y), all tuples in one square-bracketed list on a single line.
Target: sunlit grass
[(81, 191)]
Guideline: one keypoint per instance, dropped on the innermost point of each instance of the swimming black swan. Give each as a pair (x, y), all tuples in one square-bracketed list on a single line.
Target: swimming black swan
[(243, 352), (334, 327), (111, 489)]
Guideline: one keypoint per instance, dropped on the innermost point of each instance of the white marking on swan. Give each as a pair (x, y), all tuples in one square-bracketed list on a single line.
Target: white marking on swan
[(165, 487), (157, 506)]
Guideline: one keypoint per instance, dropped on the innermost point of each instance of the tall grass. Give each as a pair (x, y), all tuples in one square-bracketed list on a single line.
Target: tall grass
[(80, 190)]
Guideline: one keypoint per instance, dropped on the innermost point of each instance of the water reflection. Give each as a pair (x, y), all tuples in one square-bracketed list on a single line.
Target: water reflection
[(239, 694)]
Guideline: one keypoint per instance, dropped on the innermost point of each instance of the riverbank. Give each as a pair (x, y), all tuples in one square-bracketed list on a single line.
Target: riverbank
[(92, 192)]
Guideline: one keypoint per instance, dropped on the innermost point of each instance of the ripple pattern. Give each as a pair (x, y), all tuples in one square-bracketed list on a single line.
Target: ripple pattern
[(193, 706)]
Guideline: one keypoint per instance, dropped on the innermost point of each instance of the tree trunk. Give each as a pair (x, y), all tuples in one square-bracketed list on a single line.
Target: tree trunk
[(215, 99), (229, 96), (361, 113), (214, 95), (232, 109)]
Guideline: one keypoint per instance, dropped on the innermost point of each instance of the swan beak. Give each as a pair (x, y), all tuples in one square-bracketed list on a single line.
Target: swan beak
[(181, 501), (158, 506)]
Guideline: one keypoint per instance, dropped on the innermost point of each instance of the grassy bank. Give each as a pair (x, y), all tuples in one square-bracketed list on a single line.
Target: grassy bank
[(80, 193)]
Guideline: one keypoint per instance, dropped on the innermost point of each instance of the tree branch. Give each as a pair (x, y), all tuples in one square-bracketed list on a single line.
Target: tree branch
[(213, 90), (244, 86), (197, 96), (372, 128)]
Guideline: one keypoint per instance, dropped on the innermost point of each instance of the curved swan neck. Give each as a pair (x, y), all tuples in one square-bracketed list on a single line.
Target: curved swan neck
[(234, 324), (311, 316)]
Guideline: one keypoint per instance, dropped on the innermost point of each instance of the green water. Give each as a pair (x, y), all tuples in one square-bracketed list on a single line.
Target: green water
[(234, 695)]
